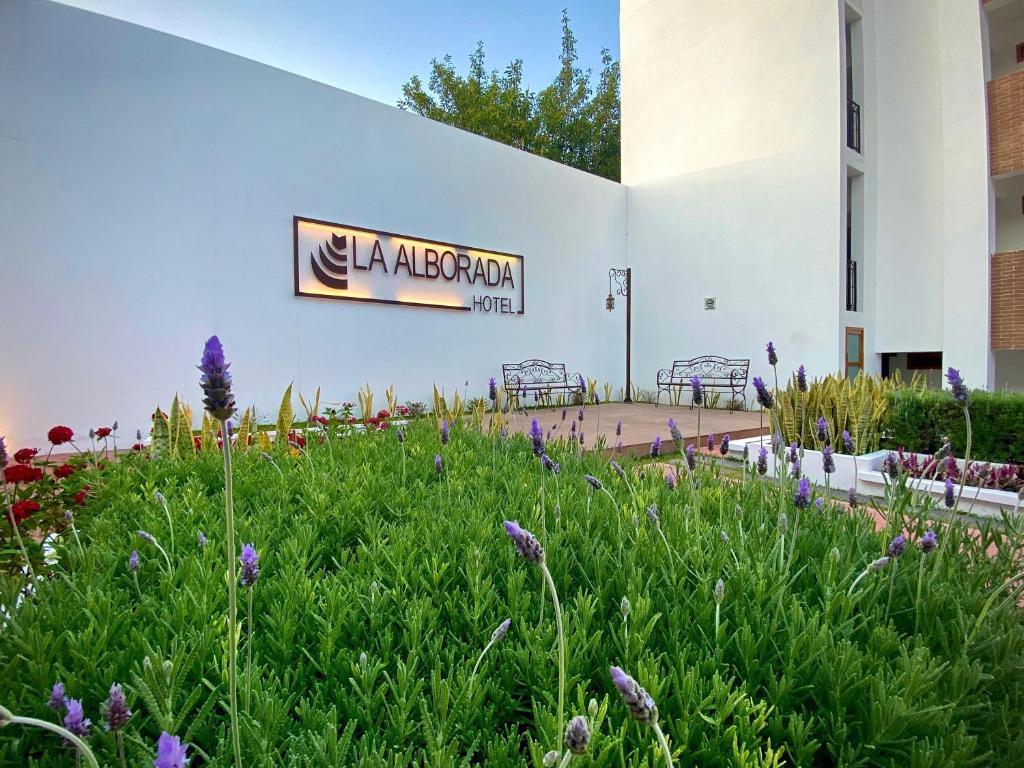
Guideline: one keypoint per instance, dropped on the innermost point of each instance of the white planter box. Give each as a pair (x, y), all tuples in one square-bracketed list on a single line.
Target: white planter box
[(842, 479)]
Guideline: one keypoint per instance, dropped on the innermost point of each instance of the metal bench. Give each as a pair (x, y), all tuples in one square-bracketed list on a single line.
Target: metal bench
[(716, 374), (541, 378)]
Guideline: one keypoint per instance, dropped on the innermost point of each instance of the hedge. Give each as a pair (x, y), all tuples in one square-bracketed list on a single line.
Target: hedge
[(922, 421)]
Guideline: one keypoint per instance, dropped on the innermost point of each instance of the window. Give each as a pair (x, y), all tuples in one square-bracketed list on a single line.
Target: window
[(854, 352)]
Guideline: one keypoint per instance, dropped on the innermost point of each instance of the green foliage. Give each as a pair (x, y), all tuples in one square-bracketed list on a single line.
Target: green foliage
[(377, 594), (922, 420), (569, 122), (858, 407)]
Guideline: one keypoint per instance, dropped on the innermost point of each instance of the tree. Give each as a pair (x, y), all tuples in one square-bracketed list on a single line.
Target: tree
[(570, 121)]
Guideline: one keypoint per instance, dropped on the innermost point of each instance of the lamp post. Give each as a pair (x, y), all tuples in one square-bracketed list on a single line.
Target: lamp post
[(621, 281)]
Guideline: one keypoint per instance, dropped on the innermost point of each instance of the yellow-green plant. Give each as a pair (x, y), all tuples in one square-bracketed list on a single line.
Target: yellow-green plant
[(160, 444), (607, 392), (180, 425), (245, 427), (366, 402), (208, 434), (285, 417), (856, 406), (312, 409), (392, 399)]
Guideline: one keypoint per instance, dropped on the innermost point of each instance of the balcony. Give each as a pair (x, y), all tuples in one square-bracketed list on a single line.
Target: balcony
[(1007, 283), (853, 125), (851, 285)]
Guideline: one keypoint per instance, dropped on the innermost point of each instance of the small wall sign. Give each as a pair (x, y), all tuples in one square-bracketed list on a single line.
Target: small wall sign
[(710, 303), (339, 261)]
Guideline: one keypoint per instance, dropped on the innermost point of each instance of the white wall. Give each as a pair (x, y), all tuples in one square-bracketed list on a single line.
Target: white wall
[(731, 148), (147, 187)]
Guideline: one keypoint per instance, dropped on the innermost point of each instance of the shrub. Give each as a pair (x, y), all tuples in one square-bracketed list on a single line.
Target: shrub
[(921, 421), (379, 588)]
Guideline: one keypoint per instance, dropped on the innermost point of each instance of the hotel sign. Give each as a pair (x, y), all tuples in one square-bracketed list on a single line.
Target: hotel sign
[(337, 261)]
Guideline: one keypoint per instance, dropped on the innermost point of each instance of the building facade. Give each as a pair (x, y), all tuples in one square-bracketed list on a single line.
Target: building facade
[(844, 178)]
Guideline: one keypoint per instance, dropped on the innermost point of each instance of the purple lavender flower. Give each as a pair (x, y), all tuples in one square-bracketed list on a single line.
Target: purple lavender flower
[(618, 429), (652, 514), (762, 461), (75, 719), (956, 384), (670, 480), (773, 359), (133, 560), (776, 442), (492, 389), (149, 538), (597, 400), (828, 464), (801, 379), (501, 631), (116, 709), (851, 497), (724, 537), (641, 705), (250, 561), (582, 440), (794, 453), (580, 416), (848, 445), (656, 447), (577, 735), (537, 435), (764, 397), (822, 427), (445, 430), (819, 504), (617, 468), (879, 564), (201, 538), (897, 546), (4, 458), (950, 493), (691, 458), (550, 465), (593, 482), (170, 752), (697, 390), (58, 697), (928, 542), (138, 435), (723, 447), (795, 468), (673, 429), (525, 542), (438, 464), (711, 441), (216, 381), (803, 494)]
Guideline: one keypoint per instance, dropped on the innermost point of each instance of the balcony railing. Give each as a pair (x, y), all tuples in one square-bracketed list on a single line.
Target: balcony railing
[(853, 125), (851, 285)]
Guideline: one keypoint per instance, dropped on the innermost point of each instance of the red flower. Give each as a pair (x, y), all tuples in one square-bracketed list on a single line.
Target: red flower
[(402, 410), (82, 495), (64, 470), (103, 432), (197, 442), (320, 420), (384, 413), (25, 455), (22, 509), (297, 439), (22, 473), (138, 447), (60, 435)]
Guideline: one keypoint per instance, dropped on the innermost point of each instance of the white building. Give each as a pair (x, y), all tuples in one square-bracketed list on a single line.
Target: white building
[(148, 189)]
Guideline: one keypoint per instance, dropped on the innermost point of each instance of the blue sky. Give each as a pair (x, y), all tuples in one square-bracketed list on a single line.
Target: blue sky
[(371, 47)]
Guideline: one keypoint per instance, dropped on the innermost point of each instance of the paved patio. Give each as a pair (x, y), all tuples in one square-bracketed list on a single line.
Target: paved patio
[(641, 422)]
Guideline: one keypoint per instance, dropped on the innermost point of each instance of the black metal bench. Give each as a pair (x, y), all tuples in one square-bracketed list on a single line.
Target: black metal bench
[(716, 374), (541, 378)]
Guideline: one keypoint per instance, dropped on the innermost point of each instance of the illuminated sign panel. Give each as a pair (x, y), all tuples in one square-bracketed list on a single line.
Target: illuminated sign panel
[(336, 261)]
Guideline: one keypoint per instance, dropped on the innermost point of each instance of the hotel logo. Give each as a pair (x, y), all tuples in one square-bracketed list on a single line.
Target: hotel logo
[(339, 261)]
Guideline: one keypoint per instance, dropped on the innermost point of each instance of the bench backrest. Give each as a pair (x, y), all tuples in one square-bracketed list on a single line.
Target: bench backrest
[(530, 374), (712, 370)]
